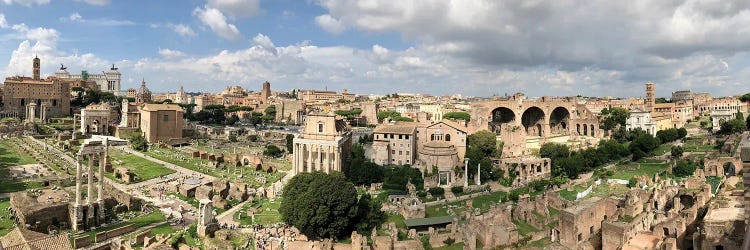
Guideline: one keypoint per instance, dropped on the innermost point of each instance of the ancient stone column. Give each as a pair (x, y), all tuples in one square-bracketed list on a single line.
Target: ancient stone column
[(78, 181), (336, 160), (328, 159), (466, 172), (319, 160), (90, 185), (479, 175), (100, 186), (309, 159)]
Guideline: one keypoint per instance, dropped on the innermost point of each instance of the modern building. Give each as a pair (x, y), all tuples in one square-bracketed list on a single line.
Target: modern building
[(324, 145), (395, 143)]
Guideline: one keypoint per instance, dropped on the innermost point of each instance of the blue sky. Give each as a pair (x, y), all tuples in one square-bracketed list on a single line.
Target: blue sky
[(475, 48)]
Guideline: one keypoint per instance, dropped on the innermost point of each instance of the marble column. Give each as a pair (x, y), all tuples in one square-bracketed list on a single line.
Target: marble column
[(336, 161), (310, 161), (296, 158), (78, 181), (100, 186), (479, 175), (327, 165), (90, 185), (319, 160), (466, 174)]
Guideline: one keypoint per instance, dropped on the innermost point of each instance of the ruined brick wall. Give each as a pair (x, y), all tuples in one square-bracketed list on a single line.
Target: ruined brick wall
[(41, 219), (132, 203)]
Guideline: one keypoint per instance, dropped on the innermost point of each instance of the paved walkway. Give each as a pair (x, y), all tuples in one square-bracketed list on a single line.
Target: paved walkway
[(227, 217), (167, 164)]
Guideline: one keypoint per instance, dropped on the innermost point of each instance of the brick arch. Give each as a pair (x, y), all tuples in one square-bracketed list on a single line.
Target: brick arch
[(715, 166)]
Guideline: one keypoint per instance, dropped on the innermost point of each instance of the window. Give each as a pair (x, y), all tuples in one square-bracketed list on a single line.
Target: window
[(320, 127), (393, 151), (400, 137), (406, 137), (54, 103), (400, 152), (432, 137), (447, 137), (166, 118)]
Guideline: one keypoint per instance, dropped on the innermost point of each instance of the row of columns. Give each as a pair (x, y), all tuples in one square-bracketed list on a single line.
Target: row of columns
[(93, 205), (307, 159)]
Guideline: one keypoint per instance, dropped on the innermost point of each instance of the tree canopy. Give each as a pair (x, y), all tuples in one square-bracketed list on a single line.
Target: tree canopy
[(745, 98), (613, 117), (554, 151), (458, 116), (320, 205), (732, 126)]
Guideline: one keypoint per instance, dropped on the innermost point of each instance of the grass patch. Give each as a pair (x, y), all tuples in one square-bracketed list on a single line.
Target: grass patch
[(627, 171), (571, 195), (11, 155), (249, 174), (141, 221), (662, 149), (6, 223), (454, 246), (142, 168), (398, 219), (524, 228), (266, 213)]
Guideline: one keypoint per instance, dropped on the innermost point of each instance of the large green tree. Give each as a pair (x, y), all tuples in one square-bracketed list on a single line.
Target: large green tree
[(732, 126), (554, 151), (745, 98), (458, 116), (613, 117), (320, 205)]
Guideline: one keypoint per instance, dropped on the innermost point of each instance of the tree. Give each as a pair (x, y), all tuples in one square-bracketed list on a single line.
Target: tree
[(684, 168), (361, 170), (677, 151), (137, 142), (554, 151), (252, 138), (402, 119), (232, 138), (369, 214), (614, 117), (747, 122), (289, 143), (270, 111), (661, 100), (273, 151), (232, 120), (668, 135), (739, 116), (745, 98), (732, 126), (320, 205), (386, 114), (458, 116), (485, 141), (643, 144), (681, 132)]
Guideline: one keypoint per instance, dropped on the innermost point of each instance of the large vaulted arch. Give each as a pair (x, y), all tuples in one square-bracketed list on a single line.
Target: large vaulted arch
[(501, 117), (559, 120), (532, 121)]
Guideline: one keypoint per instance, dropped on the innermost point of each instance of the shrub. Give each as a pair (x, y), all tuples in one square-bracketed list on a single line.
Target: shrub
[(457, 189), (436, 191)]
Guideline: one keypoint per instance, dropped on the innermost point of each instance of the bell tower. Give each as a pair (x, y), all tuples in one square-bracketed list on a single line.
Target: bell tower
[(37, 66)]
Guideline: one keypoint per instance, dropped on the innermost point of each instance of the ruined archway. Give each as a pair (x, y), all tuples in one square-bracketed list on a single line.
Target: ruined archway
[(532, 120), (558, 120), (501, 117), (729, 169)]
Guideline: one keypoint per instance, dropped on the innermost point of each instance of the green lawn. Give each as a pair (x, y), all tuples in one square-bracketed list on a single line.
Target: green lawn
[(6, 223), (455, 246), (571, 195), (140, 221), (627, 171), (266, 213), (481, 202), (524, 228), (662, 149), (199, 165), (164, 229), (11, 155), (143, 169), (398, 219)]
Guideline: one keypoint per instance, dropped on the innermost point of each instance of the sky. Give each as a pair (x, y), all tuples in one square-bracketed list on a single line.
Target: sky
[(441, 47)]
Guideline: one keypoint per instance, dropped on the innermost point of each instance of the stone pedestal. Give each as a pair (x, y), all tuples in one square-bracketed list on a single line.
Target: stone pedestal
[(77, 218)]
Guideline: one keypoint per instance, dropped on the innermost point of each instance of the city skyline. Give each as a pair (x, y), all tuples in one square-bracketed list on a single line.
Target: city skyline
[(375, 47)]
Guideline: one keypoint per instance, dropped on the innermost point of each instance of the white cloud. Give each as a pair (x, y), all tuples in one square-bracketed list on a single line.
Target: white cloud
[(26, 2), (264, 42), (76, 17), (96, 2), (3, 22), (330, 24), (217, 22), (171, 53), (236, 8), (182, 30)]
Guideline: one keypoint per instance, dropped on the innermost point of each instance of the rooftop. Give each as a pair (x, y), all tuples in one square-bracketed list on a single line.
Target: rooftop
[(428, 221)]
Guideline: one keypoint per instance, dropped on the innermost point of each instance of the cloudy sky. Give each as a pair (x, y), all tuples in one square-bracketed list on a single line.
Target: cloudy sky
[(472, 47)]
